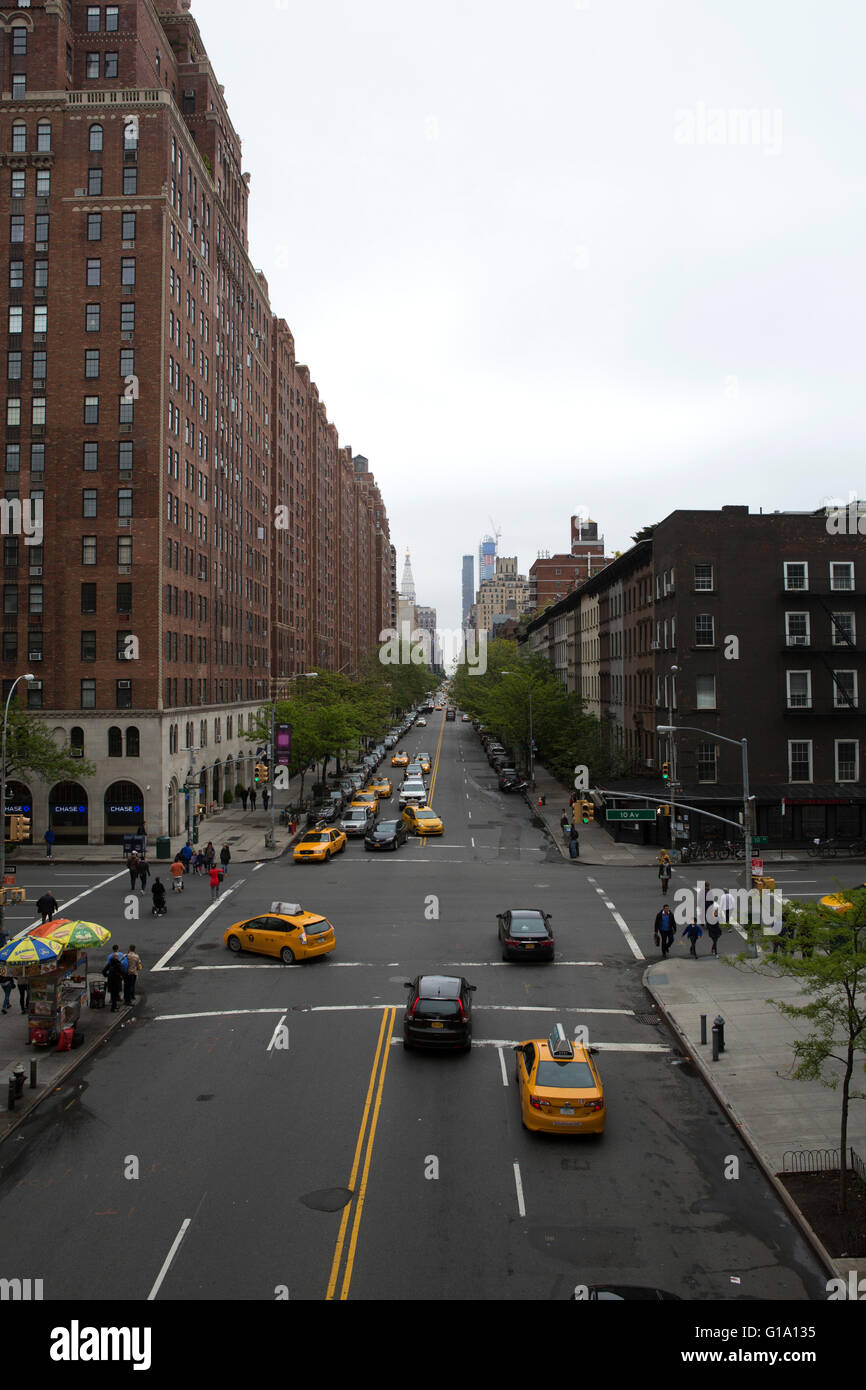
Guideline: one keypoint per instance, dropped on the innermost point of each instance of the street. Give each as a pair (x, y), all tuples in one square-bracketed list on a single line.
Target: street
[(195, 1121)]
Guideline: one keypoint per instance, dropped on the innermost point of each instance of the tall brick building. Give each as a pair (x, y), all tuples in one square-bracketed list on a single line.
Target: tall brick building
[(156, 410)]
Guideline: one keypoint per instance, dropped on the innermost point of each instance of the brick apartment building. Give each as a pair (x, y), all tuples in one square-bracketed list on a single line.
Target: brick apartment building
[(156, 411), (743, 625), (551, 577)]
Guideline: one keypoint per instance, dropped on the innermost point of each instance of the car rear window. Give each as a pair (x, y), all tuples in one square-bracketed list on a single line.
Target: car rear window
[(572, 1076), (387, 827), (437, 1008), (527, 926)]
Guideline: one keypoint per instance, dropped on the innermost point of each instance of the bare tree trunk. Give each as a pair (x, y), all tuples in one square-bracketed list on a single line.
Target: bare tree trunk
[(843, 1137)]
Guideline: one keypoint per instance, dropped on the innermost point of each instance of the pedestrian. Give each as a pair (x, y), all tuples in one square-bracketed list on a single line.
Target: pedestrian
[(49, 837), (176, 871), (134, 969), (265, 797), (225, 858), (47, 905), (142, 829), (252, 798), (574, 843), (711, 913), (542, 800), (6, 983), (132, 865), (572, 798), (714, 931), (24, 995), (565, 822), (664, 929), (243, 796), (727, 903), (114, 971), (198, 863), (185, 853), (694, 933), (143, 873), (665, 873), (157, 893), (209, 854), (215, 877)]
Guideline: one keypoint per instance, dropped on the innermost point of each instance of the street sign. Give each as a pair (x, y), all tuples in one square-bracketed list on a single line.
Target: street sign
[(623, 813), (760, 839), (757, 866)]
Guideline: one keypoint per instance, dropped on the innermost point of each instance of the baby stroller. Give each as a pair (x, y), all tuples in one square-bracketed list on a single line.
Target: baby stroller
[(159, 908)]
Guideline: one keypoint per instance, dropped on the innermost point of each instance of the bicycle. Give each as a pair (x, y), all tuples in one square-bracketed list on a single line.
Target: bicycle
[(822, 849), (857, 847)]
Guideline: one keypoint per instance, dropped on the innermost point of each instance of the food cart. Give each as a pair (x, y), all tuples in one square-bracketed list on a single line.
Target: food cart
[(56, 995)]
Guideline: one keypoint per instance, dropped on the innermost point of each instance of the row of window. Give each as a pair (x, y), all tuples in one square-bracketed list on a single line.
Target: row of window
[(798, 629), (189, 731), (796, 577), (90, 456), (18, 183), (89, 550), (798, 686), (92, 361), (96, 22), (125, 416), (846, 761)]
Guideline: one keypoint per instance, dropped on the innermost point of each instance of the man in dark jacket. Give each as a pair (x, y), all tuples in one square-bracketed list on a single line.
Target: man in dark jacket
[(225, 858), (47, 905), (114, 972), (664, 929)]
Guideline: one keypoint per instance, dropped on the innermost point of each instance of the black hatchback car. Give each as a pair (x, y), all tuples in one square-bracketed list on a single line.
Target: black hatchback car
[(388, 834), (438, 1012), (525, 933)]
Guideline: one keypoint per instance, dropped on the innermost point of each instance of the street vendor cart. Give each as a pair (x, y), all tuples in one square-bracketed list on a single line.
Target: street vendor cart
[(55, 1001)]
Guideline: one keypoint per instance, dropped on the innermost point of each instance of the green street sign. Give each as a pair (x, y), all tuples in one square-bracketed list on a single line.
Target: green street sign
[(621, 813), (760, 839)]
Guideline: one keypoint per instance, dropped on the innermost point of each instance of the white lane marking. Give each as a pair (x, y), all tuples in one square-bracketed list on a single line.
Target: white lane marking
[(548, 1009), (261, 864), (469, 814), (276, 1033), (472, 838), (181, 941), (620, 921), (519, 1185), (375, 964), (168, 1259), (502, 1064), (600, 1046), (102, 883), (222, 1013)]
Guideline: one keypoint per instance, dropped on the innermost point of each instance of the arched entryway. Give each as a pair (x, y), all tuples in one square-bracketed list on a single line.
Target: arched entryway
[(68, 813), (124, 811), (20, 803)]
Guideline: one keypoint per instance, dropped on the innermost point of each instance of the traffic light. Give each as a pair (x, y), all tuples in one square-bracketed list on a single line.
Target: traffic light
[(587, 812), (666, 771), (666, 810), (19, 828), (261, 773)]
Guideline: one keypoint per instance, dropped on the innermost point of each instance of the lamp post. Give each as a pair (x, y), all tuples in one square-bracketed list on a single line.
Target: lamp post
[(27, 677), (743, 745), (271, 837)]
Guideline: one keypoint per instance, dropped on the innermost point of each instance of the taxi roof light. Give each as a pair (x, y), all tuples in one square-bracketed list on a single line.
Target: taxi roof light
[(286, 909), (559, 1045)]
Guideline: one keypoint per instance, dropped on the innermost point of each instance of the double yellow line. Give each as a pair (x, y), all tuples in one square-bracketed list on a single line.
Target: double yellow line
[(369, 1121), (423, 838)]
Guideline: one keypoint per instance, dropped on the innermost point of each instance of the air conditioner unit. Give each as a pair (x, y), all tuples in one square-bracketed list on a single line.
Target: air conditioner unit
[(798, 641), (34, 656), (127, 289), (125, 474), (124, 569), (81, 193), (35, 570), (127, 246)]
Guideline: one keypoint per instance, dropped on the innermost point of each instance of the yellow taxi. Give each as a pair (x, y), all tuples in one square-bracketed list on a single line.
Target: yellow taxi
[(559, 1086), (367, 797), (425, 763), (422, 820), (288, 932), (400, 760), (383, 786), (320, 844), (840, 902)]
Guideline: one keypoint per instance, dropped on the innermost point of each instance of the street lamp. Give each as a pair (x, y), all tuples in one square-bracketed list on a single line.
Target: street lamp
[(27, 677), (531, 743), (743, 745), (270, 838)]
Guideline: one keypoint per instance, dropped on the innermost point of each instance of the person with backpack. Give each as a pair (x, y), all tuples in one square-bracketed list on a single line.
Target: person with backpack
[(114, 971), (225, 858), (143, 873), (665, 873), (157, 892), (185, 855)]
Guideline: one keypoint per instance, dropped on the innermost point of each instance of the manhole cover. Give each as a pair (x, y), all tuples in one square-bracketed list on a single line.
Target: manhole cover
[(328, 1199)]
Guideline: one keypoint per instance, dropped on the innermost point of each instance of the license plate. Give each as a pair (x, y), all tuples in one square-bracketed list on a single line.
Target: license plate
[(566, 1110), (437, 1025), (529, 945)]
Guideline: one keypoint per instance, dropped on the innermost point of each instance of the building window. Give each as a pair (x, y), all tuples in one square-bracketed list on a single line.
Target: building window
[(40, 318), (110, 65), (19, 86), (94, 183), (37, 410), (43, 183), (88, 646), (10, 598), (19, 41), (796, 574), (42, 227), (704, 630), (19, 183), (124, 598), (705, 692), (707, 762), (37, 458), (16, 275), (847, 760), (115, 742), (91, 410), (91, 456), (16, 318), (34, 694), (93, 19), (124, 454), (88, 550), (133, 742), (799, 689), (13, 411), (124, 550), (88, 598), (13, 366), (844, 633), (91, 68), (797, 629), (130, 180), (127, 318), (123, 698), (124, 501), (799, 760), (97, 136), (94, 271), (16, 227), (36, 598), (845, 689), (126, 410), (92, 318), (34, 644), (91, 362), (10, 552), (94, 226), (43, 137), (76, 742), (88, 502), (841, 574), (111, 18), (10, 646), (128, 226), (127, 362), (127, 270), (13, 458)]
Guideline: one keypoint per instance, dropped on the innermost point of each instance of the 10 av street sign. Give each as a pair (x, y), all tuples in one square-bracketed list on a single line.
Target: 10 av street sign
[(623, 813)]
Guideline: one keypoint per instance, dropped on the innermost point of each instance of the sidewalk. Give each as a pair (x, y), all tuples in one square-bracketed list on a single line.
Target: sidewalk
[(752, 1079)]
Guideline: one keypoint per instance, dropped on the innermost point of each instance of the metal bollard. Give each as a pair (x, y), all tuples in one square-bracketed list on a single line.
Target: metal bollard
[(719, 1022), (19, 1074), (703, 1030), (34, 1069), (10, 1100), (715, 1042)]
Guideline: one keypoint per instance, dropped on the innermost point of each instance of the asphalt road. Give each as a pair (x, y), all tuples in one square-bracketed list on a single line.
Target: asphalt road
[(245, 1149)]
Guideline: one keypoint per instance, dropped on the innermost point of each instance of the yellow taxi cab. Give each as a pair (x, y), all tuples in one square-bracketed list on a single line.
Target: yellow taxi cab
[(367, 797), (319, 844), (400, 760), (559, 1086), (425, 763), (840, 902), (383, 786), (423, 820), (288, 932)]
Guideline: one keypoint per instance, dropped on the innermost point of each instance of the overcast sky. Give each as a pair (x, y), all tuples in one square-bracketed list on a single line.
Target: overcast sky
[(537, 260)]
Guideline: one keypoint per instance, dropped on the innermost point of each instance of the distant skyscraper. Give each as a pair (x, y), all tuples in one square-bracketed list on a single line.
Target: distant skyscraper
[(407, 584), (468, 584), (486, 558)]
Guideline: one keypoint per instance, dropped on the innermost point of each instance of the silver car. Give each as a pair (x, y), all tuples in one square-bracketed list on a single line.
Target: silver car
[(357, 820)]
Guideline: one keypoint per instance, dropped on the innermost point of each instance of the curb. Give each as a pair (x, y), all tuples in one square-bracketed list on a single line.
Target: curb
[(743, 1130), (81, 1055)]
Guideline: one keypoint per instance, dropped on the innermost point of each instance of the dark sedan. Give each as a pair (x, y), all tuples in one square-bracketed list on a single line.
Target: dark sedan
[(388, 834), (438, 1012), (323, 812), (525, 933)]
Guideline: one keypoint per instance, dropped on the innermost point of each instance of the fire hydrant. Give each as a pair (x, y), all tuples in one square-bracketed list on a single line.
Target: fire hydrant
[(19, 1074)]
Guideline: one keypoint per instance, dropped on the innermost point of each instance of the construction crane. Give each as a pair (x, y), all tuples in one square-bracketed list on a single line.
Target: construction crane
[(496, 532)]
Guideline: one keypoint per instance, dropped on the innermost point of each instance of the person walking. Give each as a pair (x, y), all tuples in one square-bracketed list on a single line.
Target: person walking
[(694, 933), (664, 930), (265, 797), (252, 798), (243, 796), (143, 873), (132, 865), (114, 971), (49, 837), (727, 903), (198, 863), (176, 872), (6, 983), (574, 842), (47, 905), (665, 873), (157, 892), (24, 995), (225, 858), (214, 877), (133, 970), (185, 853), (565, 823), (209, 855), (711, 912), (714, 931)]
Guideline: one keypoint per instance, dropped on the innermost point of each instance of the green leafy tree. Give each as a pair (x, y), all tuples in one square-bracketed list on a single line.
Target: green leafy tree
[(32, 752)]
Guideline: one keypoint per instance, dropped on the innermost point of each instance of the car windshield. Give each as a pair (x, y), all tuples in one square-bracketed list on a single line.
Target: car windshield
[(358, 813), (571, 1076), (317, 839), (423, 814), (387, 827)]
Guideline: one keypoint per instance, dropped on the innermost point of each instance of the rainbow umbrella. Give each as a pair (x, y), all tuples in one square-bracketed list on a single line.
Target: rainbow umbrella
[(48, 928), (27, 951), (77, 935)]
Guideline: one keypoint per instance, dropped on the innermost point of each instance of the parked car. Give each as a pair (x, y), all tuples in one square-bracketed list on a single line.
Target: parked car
[(322, 813)]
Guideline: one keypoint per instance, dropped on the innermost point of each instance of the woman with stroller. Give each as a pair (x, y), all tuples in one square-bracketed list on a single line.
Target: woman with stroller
[(157, 892)]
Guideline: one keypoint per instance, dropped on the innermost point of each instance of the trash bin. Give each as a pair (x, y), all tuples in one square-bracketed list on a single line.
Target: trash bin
[(97, 994), (163, 847)]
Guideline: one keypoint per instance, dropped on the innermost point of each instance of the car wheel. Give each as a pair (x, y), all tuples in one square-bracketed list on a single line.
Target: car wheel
[(505, 955), (327, 855), (234, 943), (287, 955)]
